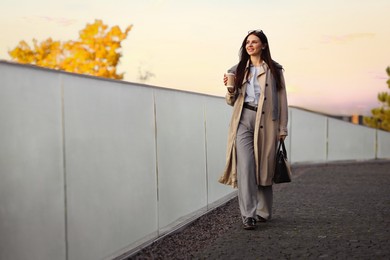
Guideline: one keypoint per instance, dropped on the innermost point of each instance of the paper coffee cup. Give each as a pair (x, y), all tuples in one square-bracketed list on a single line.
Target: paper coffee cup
[(230, 80)]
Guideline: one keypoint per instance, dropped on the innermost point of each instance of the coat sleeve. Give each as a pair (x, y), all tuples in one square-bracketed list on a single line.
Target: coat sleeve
[(283, 107), (231, 98)]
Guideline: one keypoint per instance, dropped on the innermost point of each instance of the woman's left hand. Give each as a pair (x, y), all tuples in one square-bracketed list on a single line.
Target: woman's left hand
[(282, 137)]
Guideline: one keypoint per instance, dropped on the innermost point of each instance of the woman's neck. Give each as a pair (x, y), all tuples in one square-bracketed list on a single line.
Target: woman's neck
[(256, 60)]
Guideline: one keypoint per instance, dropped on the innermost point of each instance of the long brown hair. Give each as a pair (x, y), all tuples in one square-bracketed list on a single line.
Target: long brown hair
[(265, 55)]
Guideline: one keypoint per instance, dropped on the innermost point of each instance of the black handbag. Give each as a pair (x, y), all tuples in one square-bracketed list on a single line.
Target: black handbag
[(282, 167)]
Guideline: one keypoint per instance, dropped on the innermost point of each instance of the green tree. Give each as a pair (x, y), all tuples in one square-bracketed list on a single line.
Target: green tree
[(380, 117), (96, 52)]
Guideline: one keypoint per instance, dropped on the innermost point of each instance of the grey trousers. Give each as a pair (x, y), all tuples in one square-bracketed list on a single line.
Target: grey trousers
[(253, 199)]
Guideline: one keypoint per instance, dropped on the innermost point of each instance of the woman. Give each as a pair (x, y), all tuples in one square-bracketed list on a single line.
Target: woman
[(259, 120)]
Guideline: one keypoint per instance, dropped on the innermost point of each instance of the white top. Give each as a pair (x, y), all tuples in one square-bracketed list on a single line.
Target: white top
[(253, 86)]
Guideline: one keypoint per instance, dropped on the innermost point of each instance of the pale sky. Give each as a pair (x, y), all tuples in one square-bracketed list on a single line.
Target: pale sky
[(334, 52)]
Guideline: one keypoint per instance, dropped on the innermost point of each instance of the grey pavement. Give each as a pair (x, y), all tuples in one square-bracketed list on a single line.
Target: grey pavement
[(329, 211), (334, 211)]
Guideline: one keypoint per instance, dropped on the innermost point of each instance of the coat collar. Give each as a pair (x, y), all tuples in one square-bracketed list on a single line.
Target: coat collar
[(263, 67)]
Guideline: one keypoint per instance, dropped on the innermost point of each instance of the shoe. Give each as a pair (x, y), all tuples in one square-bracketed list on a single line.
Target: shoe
[(249, 223), (260, 219)]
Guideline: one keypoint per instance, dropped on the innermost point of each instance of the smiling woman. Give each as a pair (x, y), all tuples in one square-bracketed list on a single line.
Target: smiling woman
[(259, 121)]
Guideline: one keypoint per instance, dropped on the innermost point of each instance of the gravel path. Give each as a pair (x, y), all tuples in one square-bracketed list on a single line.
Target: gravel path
[(331, 211)]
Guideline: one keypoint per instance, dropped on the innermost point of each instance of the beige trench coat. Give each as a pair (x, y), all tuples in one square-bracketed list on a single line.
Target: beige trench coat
[(267, 128)]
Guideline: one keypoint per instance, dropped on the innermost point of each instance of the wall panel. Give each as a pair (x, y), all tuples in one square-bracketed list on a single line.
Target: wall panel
[(32, 213), (347, 141), (218, 115), (110, 165), (307, 136), (383, 145), (180, 154)]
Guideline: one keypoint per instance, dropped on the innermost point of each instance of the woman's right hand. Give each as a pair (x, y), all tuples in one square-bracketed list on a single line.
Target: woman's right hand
[(225, 78)]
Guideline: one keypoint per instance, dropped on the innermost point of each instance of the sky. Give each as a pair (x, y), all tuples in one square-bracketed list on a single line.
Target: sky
[(334, 53)]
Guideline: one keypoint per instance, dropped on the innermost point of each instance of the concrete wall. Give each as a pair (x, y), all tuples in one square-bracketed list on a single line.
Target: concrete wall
[(317, 138), (93, 168)]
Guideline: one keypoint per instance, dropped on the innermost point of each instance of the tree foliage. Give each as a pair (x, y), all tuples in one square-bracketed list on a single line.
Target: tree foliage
[(96, 52), (380, 117)]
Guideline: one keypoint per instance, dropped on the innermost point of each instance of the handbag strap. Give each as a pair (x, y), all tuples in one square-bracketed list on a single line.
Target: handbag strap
[(281, 145)]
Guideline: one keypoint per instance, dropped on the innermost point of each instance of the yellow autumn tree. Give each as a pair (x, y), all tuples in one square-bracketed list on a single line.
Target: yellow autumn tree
[(96, 52)]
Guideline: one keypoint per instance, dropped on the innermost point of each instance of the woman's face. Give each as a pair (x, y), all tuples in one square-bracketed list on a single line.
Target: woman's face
[(253, 45)]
